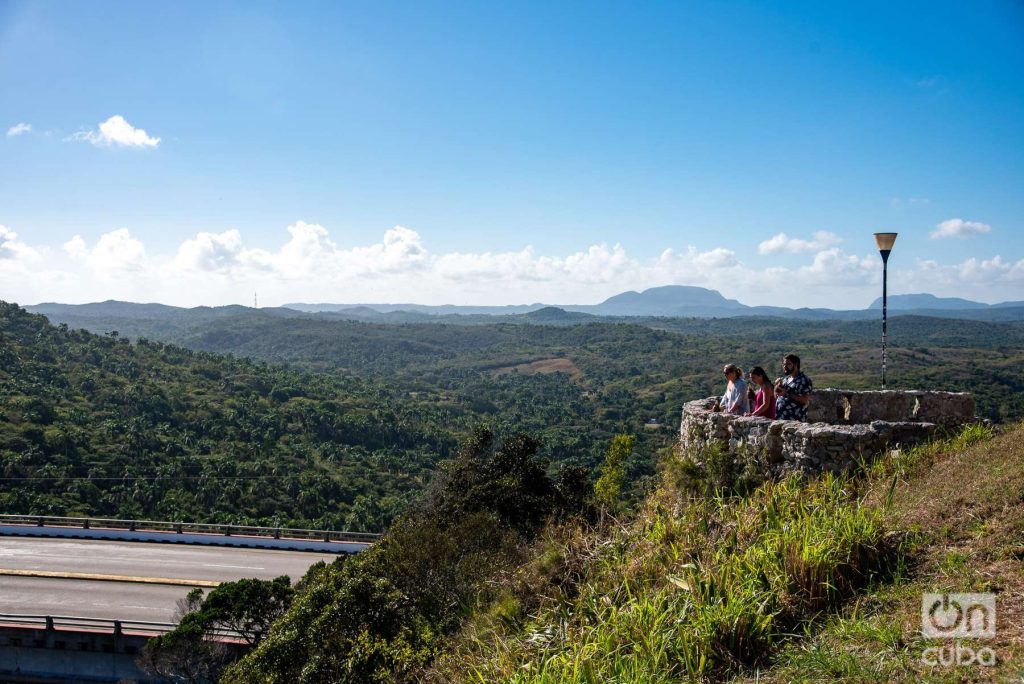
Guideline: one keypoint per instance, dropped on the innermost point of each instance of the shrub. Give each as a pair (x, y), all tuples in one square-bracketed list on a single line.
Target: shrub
[(613, 472), (191, 652), (383, 615)]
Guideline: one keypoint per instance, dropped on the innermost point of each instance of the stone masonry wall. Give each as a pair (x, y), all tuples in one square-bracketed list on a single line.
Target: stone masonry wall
[(843, 428)]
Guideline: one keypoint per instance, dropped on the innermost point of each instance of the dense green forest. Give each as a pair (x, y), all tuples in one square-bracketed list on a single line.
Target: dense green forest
[(628, 369), (246, 416), (95, 425)]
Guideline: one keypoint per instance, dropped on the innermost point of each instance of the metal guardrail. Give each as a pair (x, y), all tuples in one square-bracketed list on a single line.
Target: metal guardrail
[(75, 623), (191, 528)]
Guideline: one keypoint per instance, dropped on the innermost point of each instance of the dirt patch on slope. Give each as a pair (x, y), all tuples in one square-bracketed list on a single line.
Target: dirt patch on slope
[(556, 365)]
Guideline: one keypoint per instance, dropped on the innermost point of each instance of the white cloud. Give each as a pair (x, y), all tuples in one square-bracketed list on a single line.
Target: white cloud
[(715, 259), (783, 243), (401, 251), (19, 129), (991, 270), (458, 266), (310, 264), (12, 249), (117, 131), (210, 251), (116, 267), (114, 254), (309, 251), (24, 270), (831, 267), (959, 228), (118, 251), (76, 248), (597, 265)]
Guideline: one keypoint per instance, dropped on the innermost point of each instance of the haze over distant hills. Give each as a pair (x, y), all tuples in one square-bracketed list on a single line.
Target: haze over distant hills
[(696, 302), (931, 302), (670, 301)]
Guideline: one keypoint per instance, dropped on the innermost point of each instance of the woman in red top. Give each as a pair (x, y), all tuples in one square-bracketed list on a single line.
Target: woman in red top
[(764, 402)]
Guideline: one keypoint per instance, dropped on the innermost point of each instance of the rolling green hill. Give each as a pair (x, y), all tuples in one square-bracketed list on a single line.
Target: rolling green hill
[(412, 389), (630, 371), (98, 426)]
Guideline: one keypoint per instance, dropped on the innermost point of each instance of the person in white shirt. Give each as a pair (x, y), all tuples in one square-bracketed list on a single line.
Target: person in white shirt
[(735, 399)]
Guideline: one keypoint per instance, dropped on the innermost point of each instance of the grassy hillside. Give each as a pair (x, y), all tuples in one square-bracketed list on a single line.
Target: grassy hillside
[(815, 582), (963, 505)]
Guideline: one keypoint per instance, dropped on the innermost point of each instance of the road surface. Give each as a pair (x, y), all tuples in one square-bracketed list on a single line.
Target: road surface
[(80, 598), (132, 598)]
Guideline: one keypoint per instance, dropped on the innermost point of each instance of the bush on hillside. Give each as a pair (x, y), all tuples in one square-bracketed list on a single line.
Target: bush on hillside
[(382, 615), (244, 609)]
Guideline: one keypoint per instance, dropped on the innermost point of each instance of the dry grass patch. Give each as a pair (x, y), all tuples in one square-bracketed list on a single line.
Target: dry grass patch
[(555, 365), (963, 502)]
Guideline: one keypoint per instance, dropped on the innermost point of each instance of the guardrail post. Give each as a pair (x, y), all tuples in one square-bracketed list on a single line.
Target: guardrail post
[(39, 521), (227, 530), (131, 526), (49, 623), (177, 528), (85, 524), (277, 533), (327, 536), (117, 628)]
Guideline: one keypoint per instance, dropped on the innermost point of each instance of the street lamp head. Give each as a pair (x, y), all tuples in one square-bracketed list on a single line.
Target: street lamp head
[(885, 241)]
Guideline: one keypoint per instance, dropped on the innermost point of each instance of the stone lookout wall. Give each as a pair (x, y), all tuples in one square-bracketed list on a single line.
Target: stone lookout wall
[(842, 428)]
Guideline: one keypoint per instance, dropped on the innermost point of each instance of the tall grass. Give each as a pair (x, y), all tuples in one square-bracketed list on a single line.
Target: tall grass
[(696, 588)]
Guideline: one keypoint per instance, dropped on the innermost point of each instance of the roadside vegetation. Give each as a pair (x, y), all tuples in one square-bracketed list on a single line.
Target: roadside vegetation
[(819, 580), (383, 615), (798, 580)]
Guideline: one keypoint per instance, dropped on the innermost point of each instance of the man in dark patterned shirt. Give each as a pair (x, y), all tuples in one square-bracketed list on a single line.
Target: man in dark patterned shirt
[(793, 392)]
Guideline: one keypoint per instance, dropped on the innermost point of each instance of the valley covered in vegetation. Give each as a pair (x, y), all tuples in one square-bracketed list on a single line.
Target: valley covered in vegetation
[(537, 531), (246, 417)]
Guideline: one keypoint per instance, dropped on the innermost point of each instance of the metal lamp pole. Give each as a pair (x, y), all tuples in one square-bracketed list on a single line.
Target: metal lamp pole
[(885, 242)]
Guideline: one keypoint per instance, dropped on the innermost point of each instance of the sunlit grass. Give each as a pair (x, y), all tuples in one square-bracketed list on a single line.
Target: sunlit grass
[(708, 585), (699, 587)]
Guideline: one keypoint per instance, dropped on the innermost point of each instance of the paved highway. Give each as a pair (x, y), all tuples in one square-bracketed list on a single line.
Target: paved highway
[(126, 599), (136, 559), (106, 600)]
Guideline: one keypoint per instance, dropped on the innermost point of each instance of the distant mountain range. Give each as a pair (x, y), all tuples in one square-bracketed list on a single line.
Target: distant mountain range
[(670, 301), (681, 301), (931, 302)]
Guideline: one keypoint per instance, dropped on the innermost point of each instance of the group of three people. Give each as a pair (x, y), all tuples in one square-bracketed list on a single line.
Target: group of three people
[(786, 399)]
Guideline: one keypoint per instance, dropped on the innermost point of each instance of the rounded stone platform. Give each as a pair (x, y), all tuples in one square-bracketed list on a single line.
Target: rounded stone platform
[(843, 428)]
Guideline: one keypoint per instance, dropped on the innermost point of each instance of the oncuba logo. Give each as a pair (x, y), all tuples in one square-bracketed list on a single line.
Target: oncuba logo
[(958, 616)]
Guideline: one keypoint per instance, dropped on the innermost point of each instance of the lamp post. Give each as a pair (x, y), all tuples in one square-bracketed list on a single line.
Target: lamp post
[(885, 242)]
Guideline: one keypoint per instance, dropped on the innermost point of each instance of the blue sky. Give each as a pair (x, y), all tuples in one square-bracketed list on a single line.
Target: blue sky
[(478, 152)]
